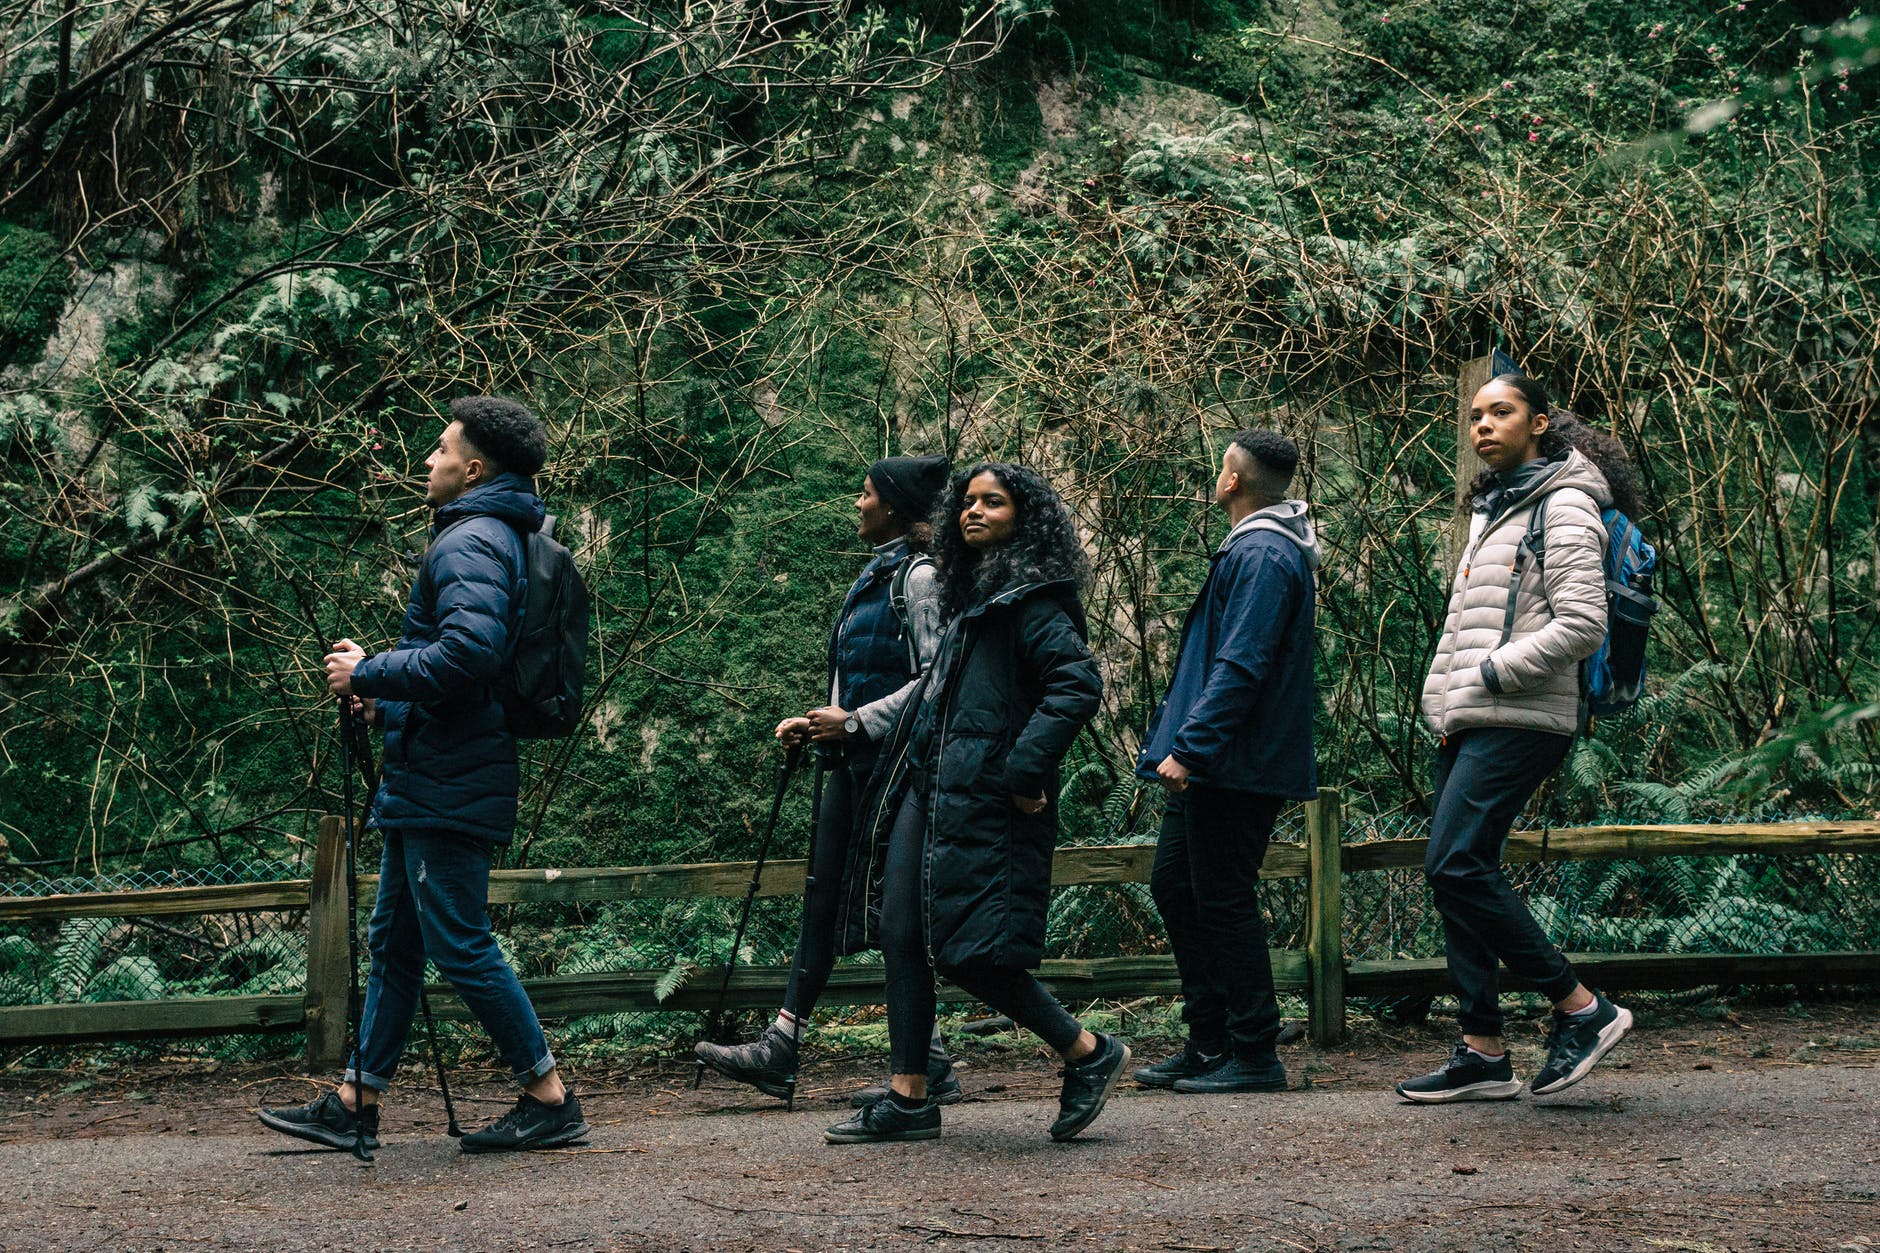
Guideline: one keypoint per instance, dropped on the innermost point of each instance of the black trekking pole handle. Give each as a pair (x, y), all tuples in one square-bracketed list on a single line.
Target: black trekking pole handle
[(346, 743), (791, 758), (362, 755)]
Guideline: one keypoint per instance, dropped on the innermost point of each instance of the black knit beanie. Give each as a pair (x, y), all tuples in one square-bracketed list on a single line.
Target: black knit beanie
[(909, 484)]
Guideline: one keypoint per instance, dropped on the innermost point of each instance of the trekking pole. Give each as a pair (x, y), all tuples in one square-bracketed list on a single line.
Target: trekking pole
[(437, 1054), (363, 754), (809, 882), (791, 757), (359, 1149)]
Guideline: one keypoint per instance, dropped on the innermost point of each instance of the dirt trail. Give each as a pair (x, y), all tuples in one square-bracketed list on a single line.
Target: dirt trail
[(1755, 1130)]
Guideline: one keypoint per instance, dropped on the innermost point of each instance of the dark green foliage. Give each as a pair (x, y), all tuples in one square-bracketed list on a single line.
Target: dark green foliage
[(34, 283), (724, 322)]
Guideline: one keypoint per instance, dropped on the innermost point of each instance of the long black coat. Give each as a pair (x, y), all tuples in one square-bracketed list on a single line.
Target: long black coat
[(1013, 683)]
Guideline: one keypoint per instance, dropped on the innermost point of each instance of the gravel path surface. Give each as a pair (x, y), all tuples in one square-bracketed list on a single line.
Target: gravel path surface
[(1699, 1135), (1727, 1161)]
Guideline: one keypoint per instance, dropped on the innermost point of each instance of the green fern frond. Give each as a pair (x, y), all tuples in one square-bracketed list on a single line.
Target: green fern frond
[(1667, 698), (75, 954), (1666, 802), (1592, 764), (1116, 805), (674, 979), (127, 979)]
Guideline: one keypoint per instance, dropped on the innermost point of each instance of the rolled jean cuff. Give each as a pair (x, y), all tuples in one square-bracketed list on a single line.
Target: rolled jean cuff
[(1473, 1024), (366, 1079), (541, 1068)]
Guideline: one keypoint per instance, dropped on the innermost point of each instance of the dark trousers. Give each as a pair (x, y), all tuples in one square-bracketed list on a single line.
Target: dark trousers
[(1484, 778), (1010, 990), (822, 893), (434, 891), (1206, 883)]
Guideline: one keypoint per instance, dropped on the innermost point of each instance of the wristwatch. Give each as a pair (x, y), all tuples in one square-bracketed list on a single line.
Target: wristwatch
[(852, 725)]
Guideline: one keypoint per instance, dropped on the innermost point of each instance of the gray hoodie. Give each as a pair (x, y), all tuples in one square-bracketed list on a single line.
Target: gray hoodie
[(1290, 518)]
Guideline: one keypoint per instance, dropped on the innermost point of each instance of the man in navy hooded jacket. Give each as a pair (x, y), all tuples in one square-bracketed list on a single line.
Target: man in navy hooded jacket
[(1232, 743), (448, 793)]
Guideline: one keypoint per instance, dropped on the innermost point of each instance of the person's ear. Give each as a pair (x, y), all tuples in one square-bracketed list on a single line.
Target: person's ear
[(1540, 422), (475, 471)]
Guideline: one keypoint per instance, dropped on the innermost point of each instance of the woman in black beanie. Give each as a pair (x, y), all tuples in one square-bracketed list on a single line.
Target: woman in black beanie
[(882, 640)]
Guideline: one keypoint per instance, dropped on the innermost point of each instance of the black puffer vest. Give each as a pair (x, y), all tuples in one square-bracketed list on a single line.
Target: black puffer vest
[(867, 655)]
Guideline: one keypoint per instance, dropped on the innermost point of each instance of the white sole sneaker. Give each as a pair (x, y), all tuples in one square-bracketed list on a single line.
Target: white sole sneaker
[(1488, 1090), (1609, 1035)]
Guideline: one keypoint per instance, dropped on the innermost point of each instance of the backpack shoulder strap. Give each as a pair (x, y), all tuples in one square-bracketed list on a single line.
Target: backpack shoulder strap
[(1533, 548), (897, 600), (1536, 537)]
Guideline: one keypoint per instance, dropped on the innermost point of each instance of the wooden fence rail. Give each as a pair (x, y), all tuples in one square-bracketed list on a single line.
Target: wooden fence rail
[(1320, 971)]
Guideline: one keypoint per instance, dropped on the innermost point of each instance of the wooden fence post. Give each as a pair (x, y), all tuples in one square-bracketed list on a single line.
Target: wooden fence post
[(1325, 916), (1469, 380), (329, 983)]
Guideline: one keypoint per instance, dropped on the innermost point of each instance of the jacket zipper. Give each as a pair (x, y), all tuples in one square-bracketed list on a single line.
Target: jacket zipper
[(927, 836), (1468, 561)]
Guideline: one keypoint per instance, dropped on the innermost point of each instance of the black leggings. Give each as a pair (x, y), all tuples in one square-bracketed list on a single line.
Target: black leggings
[(822, 892), (1011, 990)]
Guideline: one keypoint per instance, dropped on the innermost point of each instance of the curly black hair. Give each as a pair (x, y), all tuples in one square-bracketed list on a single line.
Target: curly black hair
[(503, 430), (1567, 430), (1275, 456), (1043, 546)]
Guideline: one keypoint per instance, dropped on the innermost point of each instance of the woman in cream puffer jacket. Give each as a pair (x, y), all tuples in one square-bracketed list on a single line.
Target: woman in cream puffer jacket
[(1504, 696), (1532, 679)]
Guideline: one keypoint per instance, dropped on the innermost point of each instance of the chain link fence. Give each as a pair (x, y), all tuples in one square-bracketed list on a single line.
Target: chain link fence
[(1700, 904), (1745, 902)]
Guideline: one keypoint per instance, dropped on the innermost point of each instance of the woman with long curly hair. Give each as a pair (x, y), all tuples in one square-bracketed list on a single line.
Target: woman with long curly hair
[(1503, 692), (963, 807)]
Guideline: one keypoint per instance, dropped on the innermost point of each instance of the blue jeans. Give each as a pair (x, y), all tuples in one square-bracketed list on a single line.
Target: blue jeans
[(434, 891)]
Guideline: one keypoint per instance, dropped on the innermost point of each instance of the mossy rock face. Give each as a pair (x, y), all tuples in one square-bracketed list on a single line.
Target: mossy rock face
[(34, 284)]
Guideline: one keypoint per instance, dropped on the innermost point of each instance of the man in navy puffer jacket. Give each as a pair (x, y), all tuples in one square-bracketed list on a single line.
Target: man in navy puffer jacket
[(1232, 743), (448, 794)]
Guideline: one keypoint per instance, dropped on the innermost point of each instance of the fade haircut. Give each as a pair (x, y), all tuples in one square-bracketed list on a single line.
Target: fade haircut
[(504, 431), (1274, 458)]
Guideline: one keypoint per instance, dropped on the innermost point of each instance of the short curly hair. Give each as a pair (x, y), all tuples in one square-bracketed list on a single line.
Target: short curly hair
[(1043, 547), (1275, 455), (503, 430)]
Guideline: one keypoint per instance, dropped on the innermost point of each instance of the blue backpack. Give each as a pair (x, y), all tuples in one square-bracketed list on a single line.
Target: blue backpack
[(1613, 678)]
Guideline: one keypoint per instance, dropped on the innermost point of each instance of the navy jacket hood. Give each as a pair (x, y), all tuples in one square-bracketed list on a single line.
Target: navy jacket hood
[(510, 497)]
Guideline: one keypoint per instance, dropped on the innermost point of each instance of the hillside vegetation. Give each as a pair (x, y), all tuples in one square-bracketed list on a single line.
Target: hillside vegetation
[(733, 252)]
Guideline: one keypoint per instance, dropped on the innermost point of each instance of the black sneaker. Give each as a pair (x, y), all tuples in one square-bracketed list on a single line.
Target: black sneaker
[(1187, 1064), (943, 1089), (1087, 1086), (530, 1125), (325, 1121), (1466, 1076), (1576, 1044), (886, 1121), (767, 1063), (1259, 1073)]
